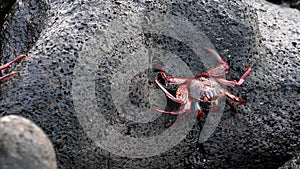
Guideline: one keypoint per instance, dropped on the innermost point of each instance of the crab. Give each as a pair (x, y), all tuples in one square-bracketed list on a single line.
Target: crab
[(10, 63), (203, 87)]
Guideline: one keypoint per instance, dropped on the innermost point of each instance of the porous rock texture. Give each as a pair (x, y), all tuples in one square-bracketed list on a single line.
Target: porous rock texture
[(293, 163), (24, 145), (5, 6), (265, 132)]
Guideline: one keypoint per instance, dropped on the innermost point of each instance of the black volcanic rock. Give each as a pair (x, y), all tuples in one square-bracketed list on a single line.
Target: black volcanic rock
[(265, 132)]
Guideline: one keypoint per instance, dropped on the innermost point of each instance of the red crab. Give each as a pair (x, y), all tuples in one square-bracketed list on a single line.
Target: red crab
[(10, 63), (203, 87)]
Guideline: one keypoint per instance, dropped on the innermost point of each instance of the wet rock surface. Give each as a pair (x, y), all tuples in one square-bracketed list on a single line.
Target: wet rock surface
[(24, 145), (265, 132)]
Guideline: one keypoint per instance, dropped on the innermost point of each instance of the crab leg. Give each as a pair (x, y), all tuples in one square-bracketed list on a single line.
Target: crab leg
[(218, 70), (234, 83), (233, 97), (174, 112), (10, 63), (232, 107), (168, 94), (170, 79), (185, 108), (7, 75), (13, 61), (218, 57)]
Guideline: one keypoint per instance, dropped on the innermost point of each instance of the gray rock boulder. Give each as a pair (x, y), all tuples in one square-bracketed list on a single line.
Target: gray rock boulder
[(24, 145)]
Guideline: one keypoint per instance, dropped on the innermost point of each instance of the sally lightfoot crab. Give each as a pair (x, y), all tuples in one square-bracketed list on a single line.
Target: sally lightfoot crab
[(10, 63), (203, 87)]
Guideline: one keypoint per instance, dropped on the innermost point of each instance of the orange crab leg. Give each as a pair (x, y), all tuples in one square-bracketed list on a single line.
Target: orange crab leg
[(168, 94), (219, 70), (13, 61), (184, 110), (170, 79), (234, 83), (233, 97), (7, 75), (232, 107), (10, 63), (218, 57)]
